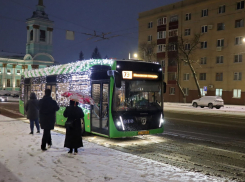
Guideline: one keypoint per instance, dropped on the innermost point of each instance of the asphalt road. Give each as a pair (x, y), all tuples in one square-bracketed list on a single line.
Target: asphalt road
[(209, 142), (209, 126), (10, 109)]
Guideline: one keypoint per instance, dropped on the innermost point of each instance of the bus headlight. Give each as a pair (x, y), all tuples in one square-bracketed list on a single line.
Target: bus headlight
[(161, 121), (119, 123)]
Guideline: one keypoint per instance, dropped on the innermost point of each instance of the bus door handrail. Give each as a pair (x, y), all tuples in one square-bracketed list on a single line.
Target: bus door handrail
[(95, 106)]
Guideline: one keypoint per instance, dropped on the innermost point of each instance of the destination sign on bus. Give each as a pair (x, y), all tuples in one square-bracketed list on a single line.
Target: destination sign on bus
[(132, 75), (127, 74)]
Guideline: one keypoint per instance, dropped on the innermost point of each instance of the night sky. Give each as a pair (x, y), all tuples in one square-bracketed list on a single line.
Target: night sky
[(82, 16)]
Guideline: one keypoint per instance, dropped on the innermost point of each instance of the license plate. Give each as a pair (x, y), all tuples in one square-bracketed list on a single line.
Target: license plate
[(143, 132)]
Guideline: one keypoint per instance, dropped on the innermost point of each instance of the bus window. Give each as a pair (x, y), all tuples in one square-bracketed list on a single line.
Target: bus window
[(53, 92), (96, 107), (42, 92), (137, 95), (61, 88), (36, 88)]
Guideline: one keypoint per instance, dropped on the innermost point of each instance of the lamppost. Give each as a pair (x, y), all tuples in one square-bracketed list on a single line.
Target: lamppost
[(135, 56)]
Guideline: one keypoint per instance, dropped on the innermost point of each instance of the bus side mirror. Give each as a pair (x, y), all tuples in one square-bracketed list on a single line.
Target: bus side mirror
[(164, 87), (117, 77)]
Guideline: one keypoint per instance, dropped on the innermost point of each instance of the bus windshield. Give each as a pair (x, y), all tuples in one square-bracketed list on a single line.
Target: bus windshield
[(137, 96)]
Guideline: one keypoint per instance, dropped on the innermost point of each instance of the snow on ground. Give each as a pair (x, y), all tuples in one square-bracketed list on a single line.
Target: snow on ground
[(21, 159), (227, 109)]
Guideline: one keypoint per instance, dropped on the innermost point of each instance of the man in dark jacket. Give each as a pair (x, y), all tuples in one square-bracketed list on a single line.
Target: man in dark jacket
[(31, 108), (47, 113)]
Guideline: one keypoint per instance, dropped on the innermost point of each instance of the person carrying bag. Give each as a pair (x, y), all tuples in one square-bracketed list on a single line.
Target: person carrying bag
[(73, 138), (69, 123)]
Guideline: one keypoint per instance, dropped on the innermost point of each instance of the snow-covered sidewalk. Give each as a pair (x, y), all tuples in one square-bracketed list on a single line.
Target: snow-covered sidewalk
[(21, 159)]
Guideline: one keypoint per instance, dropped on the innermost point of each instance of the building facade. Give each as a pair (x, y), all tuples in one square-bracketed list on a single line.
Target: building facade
[(38, 50), (218, 60)]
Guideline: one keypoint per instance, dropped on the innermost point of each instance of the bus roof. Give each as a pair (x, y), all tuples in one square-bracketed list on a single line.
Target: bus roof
[(74, 67)]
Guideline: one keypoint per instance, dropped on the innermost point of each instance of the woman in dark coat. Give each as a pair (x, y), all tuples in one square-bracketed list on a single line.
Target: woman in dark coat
[(31, 108), (73, 139)]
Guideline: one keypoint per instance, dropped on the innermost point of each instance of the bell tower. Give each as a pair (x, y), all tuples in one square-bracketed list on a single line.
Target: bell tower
[(39, 34)]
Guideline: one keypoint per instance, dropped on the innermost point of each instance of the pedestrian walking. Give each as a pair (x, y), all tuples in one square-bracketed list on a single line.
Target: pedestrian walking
[(73, 138), (47, 112), (31, 109)]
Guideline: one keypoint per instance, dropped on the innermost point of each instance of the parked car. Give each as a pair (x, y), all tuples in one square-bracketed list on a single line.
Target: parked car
[(209, 101), (3, 99), (5, 92), (15, 93)]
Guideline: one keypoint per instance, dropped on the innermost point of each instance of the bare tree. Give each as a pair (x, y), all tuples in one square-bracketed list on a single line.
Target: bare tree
[(186, 48), (146, 51)]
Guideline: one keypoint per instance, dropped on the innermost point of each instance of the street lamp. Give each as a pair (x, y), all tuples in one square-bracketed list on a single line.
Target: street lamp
[(243, 39), (135, 55)]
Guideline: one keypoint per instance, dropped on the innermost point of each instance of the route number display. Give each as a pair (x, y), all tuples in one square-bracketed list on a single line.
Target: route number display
[(127, 74)]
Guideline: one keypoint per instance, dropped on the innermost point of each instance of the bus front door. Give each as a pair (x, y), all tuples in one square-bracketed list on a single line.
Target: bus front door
[(100, 110), (52, 87)]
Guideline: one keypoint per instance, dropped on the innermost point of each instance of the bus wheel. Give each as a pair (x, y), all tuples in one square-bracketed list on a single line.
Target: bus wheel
[(82, 127)]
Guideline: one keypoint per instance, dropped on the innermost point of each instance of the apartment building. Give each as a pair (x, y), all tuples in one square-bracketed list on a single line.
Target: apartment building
[(219, 59)]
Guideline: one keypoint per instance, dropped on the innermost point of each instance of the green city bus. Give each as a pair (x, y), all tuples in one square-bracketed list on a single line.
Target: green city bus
[(128, 94)]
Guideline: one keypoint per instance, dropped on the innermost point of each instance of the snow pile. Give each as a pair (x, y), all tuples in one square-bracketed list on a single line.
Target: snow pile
[(21, 159)]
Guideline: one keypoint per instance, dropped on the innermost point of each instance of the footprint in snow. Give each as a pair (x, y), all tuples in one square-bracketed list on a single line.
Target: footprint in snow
[(107, 178)]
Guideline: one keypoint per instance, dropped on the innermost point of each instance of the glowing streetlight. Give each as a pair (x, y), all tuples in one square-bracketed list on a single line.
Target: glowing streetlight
[(243, 39), (135, 55)]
